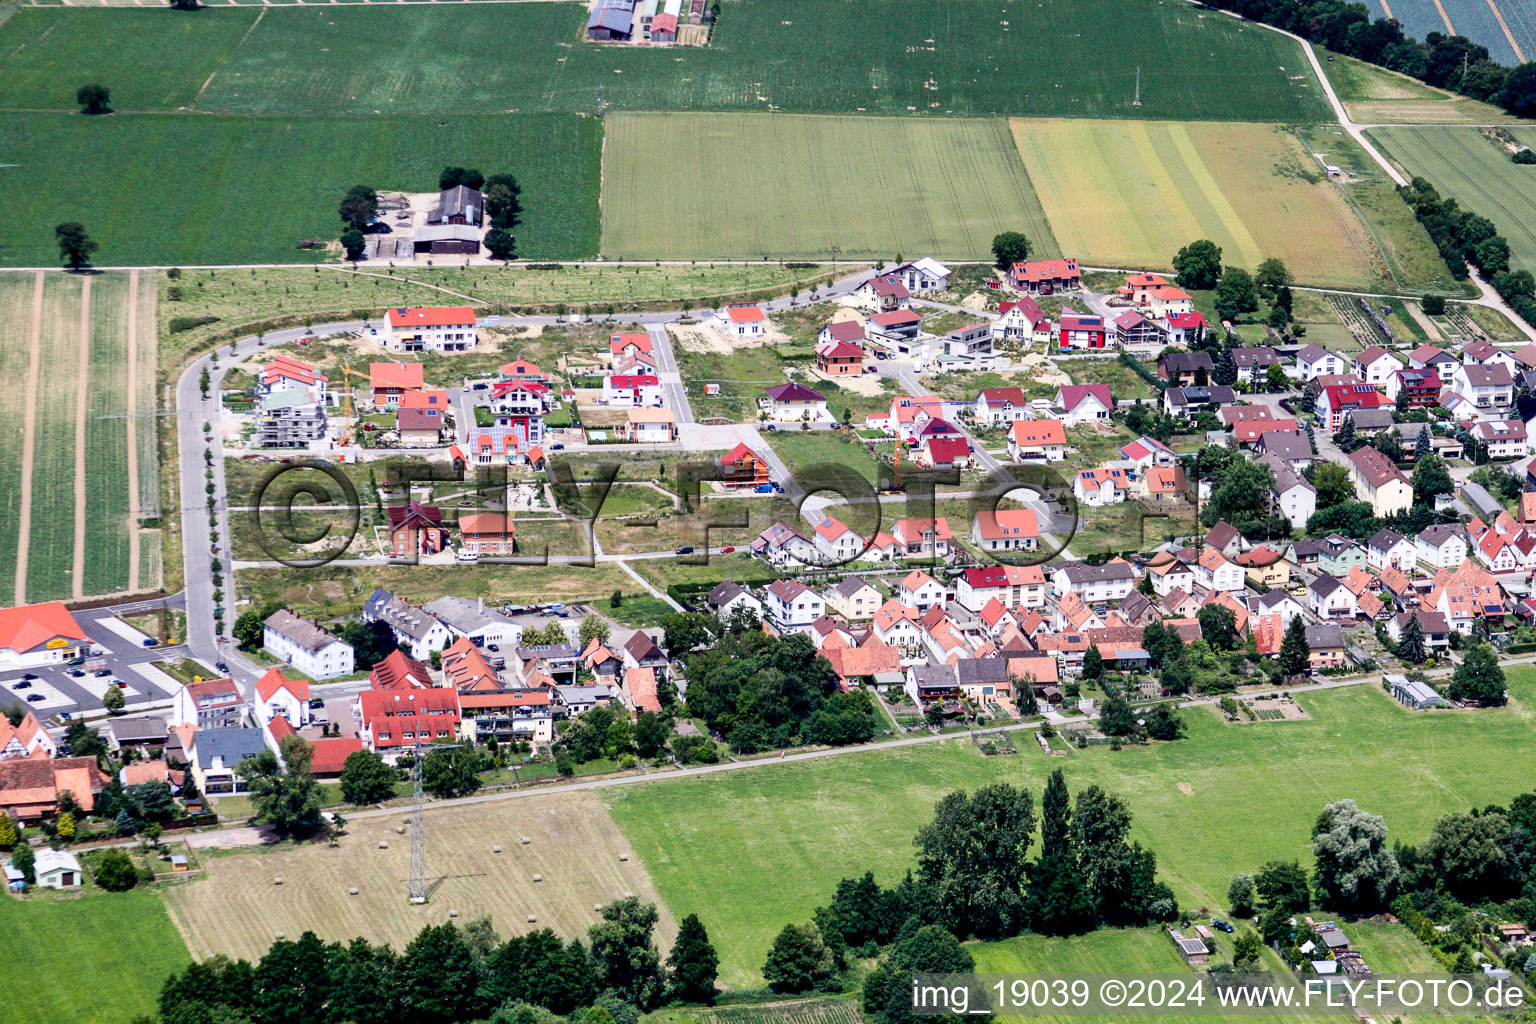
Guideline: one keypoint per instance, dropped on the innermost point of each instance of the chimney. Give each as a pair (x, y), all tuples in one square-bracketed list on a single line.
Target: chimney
[(482, 605)]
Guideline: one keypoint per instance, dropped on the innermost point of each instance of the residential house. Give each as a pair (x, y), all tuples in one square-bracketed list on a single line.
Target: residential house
[(277, 696), (897, 626), (1095, 584), (1148, 451), (1170, 575), (1006, 530), (471, 620), (415, 529), (398, 671), (850, 330), (1376, 365), (487, 534), (1186, 328), (35, 635), (923, 275), (1023, 322), (287, 374), (1313, 361), (741, 467), (30, 786), (1443, 545), (1489, 388), (1505, 439), (1430, 357), (924, 537), (1102, 486), (835, 542), (1214, 571), (422, 416), (1482, 352), (290, 419), (1327, 645), (145, 736), (841, 358), (637, 389), (217, 755), (929, 684), (896, 331), (1045, 277), (1265, 567), (1379, 482), (1329, 598), (209, 704), (1337, 401), (628, 346), (642, 650), (1422, 384), (1290, 448), (968, 347), (1014, 587), (883, 293), (919, 590), (983, 680), (1084, 331), (945, 453), (1436, 630), (795, 402), (417, 631), (306, 646), (650, 426), (744, 321), (856, 600), (1388, 548), (783, 546), (1189, 402), (792, 606), (1169, 301), (1339, 555), (431, 329), (726, 597), (1040, 440), (1084, 403), (1000, 405), (1224, 537), (1138, 288), (1132, 330), (1184, 368), (1165, 484), (392, 722), (1253, 363), (908, 413), (521, 371)]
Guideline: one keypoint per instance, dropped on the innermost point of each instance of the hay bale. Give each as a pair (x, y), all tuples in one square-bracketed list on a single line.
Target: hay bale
[(383, 845), (623, 856), (453, 913), (524, 840), (495, 849), (629, 895), (278, 880), (352, 891), (400, 831), (278, 936), (531, 918), (597, 907)]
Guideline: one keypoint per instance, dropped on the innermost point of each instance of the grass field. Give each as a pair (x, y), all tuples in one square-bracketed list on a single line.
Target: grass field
[(1374, 95), (573, 844), (1136, 191), (1461, 163), (50, 563), (263, 185), (796, 55), (768, 845), (106, 439), (16, 293), (954, 183), (115, 949)]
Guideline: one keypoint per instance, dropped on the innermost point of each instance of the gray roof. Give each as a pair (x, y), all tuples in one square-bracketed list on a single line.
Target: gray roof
[(1372, 419), (1326, 635), (233, 745), (1259, 355), (982, 670), (1481, 501), (1324, 584), (933, 675), (584, 694), (850, 586), (447, 232), (1385, 539), (464, 615), (406, 618), (461, 199), (1078, 572), (1273, 598), (132, 730), (303, 632), (1289, 445), (1438, 534), (1186, 362), (726, 592)]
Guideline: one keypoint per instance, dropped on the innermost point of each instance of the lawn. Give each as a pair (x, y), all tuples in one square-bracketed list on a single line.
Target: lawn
[(1137, 191), (743, 374), (263, 185), (806, 450), (1478, 173), (51, 550), (763, 848), (1494, 324), (774, 55), (1128, 526), (114, 949), (956, 182), (1374, 95)]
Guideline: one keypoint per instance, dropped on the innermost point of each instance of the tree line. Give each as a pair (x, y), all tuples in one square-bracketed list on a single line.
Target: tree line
[(974, 878), (1463, 237), (359, 210), (448, 974)]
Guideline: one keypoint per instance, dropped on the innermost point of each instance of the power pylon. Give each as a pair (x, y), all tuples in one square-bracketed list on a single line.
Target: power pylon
[(418, 892), (1137, 101)]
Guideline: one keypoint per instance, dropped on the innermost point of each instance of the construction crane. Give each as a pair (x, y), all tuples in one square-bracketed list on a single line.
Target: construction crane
[(418, 892), (346, 403)]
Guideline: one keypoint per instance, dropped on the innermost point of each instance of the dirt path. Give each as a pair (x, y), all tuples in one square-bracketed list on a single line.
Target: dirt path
[(28, 442), (77, 578), (133, 431), (1430, 327)]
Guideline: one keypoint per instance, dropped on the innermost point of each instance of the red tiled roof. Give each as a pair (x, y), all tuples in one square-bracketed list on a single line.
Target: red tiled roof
[(396, 375), (274, 680), (431, 316), (22, 629)]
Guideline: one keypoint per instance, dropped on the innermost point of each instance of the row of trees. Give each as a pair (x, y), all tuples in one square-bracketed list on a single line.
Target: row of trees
[(1463, 236), (974, 878), (359, 209), (1446, 62), (448, 974)]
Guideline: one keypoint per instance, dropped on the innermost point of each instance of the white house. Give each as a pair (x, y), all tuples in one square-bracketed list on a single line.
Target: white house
[(1443, 546), (1013, 586), (1095, 584), (1388, 548), (1014, 529), (277, 696), (417, 631), (790, 403), (1329, 599), (783, 546), (1170, 576), (924, 275), (1000, 405), (641, 389), (650, 425), (485, 627), (1214, 571), (40, 634), (56, 869), (792, 606), (1376, 366), (1489, 388), (836, 542), (919, 590), (306, 646), (1084, 403), (1379, 482), (746, 321), (1506, 439), (430, 329), (1314, 361), (1103, 486), (728, 596), (1293, 496), (1037, 441)]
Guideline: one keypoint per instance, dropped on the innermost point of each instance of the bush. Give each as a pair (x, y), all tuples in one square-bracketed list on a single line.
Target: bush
[(1434, 305), (115, 872), (186, 323)]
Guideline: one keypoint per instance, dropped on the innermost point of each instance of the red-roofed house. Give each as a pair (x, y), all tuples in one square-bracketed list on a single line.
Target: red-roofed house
[(486, 533), (944, 452), (623, 345), (639, 389), (415, 528), (1186, 328), (392, 720), (1341, 400), (1009, 529), (1037, 441), (277, 696), (391, 380), (27, 738), (924, 537), (639, 690), (1045, 277), (285, 374), (399, 672), (30, 787), (1084, 403), (430, 329), (841, 330), (328, 756), (742, 467), (1000, 405), (1082, 331), (1249, 431), (745, 321), (40, 634), (840, 358), (1103, 486), (1022, 320), (1138, 288)]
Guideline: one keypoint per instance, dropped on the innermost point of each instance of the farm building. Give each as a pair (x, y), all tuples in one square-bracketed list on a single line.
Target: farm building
[(611, 21), (458, 205), (445, 240)]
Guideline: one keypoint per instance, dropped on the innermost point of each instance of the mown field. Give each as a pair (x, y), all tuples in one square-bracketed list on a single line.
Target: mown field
[(165, 188), (673, 186), (1462, 163), (99, 958), (16, 295), (1474, 19), (766, 846), (573, 844), (1135, 191), (1374, 95), (967, 57)]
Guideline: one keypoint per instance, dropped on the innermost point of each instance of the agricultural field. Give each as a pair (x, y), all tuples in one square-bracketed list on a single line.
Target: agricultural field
[(799, 1011), (573, 844), (51, 544), (1374, 95), (115, 949), (1137, 191), (955, 183), (17, 293), (1506, 27), (777, 839), (1478, 173), (958, 58), (264, 185)]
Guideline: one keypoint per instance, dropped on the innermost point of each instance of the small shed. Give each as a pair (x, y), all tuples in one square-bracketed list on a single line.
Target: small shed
[(179, 862), (57, 869)]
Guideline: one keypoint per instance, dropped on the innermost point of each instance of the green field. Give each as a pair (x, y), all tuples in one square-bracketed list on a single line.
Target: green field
[(1463, 164), (16, 291), (106, 439), (973, 58), (99, 959), (1474, 19), (165, 188), (1135, 191), (51, 550), (763, 848), (672, 185), (1374, 95)]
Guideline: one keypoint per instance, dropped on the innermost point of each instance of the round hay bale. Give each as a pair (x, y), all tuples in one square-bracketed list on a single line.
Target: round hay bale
[(524, 840), (453, 913), (400, 831), (352, 891), (597, 907), (531, 918), (383, 845), (278, 880), (278, 936), (495, 849), (629, 895), (538, 878), (623, 856)]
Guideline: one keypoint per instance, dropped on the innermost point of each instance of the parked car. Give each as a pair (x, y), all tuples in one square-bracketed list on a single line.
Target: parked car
[(36, 698), (763, 488), (77, 672), (102, 673), (557, 447), (1221, 925), (150, 641), (686, 549), (29, 675), (468, 556), (121, 684), (727, 551), (222, 667), (21, 684), (316, 702)]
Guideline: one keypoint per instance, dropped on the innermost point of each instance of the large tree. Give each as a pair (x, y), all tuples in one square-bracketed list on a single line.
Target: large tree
[(1295, 652), (1518, 96), (1467, 855), (1235, 293), (353, 243), (503, 200), (1478, 678), (693, 963), (1410, 642), (1241, 894), (455, 176), (439, 977), (624, 954), (75, 246), (451, 771), (1271, 276), (94, 99), (971, 857), (799, 960), (284, 793), (501, 244), (927, 950), (1355, 870), (1198, 265), (1008, 248), (1218, 625), (1241, 496), (366, 779), (1430, 477), (1282, 885), (359, 207), (1058, 900)]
